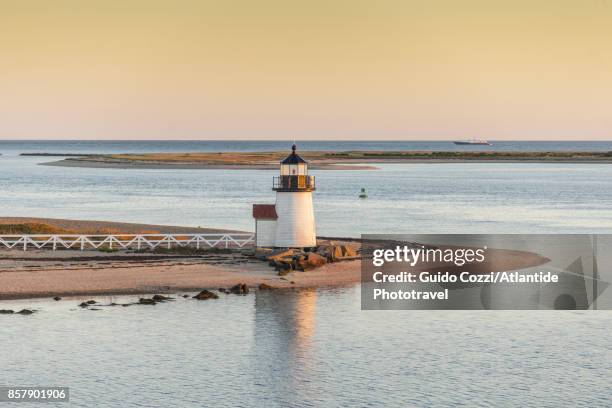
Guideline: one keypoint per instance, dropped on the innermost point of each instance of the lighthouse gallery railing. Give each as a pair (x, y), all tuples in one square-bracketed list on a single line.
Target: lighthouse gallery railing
[(126, 241), (291, 183)]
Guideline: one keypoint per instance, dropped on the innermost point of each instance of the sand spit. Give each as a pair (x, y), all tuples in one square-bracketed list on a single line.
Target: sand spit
[(46, 273), (70, 277), (107, 227), (327, 160)]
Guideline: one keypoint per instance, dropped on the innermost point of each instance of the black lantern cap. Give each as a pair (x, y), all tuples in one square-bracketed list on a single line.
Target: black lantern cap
[(293, 158)]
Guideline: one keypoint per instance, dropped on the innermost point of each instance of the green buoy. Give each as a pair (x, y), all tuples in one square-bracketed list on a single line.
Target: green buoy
[(363, 193)]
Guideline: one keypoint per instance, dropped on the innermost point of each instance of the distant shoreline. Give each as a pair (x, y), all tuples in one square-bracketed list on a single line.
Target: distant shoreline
[(323, 160), (184, 166)]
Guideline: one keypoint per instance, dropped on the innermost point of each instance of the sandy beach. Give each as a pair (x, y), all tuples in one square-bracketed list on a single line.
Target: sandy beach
[(106, 227), (46, 273), (72, 272), (96, 276)]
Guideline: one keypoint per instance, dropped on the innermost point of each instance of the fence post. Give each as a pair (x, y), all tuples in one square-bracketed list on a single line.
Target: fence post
[(25, 243)]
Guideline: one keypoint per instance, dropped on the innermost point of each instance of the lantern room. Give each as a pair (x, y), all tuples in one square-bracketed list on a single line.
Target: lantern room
[(293, 165), (293, 174)]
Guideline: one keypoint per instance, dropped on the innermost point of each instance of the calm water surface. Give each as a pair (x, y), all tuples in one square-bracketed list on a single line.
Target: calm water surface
[(15, 147), (402, 198), (307, 348), (310, 348)]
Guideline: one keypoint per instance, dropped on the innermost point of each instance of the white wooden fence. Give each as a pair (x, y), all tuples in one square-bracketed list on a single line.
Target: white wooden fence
[(126, 241)]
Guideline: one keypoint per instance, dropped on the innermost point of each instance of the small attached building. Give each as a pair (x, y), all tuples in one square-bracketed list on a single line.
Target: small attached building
[(265, 224)]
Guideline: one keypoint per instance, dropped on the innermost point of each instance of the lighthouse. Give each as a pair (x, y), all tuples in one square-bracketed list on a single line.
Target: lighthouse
[(290, 222)]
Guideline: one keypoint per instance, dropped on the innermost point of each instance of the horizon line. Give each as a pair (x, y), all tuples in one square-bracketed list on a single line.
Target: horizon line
[(377, 140)]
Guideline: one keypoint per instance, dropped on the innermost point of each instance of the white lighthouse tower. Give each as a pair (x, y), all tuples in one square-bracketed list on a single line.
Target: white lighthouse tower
[(290, 222)]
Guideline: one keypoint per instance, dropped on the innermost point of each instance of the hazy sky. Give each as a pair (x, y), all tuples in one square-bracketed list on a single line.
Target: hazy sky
[(320, 69)]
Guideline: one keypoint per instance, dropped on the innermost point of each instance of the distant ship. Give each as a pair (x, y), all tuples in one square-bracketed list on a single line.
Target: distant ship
[(474, 142)]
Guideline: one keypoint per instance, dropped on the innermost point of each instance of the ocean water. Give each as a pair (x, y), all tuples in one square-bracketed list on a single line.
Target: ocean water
[(310, 348), (402, 198), (306, 349), (15, 147)]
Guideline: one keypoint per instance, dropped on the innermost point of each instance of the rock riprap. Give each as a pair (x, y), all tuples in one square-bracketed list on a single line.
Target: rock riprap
[(292, 259)]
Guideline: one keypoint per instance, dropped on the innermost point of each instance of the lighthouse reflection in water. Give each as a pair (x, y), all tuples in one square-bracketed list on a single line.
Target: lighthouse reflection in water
[(284, 332)]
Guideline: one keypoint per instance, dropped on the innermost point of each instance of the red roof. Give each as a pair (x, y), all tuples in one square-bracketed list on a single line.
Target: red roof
[(264, 211)]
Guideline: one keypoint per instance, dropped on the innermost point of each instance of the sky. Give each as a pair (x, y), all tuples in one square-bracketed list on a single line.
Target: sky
[(313, 69)]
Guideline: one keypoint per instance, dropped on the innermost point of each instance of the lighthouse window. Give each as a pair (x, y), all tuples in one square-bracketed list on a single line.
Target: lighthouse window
[(293, 170)]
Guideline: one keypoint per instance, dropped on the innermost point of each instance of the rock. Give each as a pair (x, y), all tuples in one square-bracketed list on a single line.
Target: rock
[(57, 298), (284, 267), (205, 295), (263, 253), (6, 311), (161, 298), (223, 290), (282, 263), (297, 261), (311, 261), (239, 289), (265, 286), (287, 253), (84, 304), (292, 282), (145, 301), (336, 252), (25, 312), (331, 252), (91, 302), (348, 251), (319, 249), (315, 260), (284, 272), (185, 296)]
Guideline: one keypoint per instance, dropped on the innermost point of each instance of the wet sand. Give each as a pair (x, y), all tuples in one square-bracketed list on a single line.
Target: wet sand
[(66, 277)]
